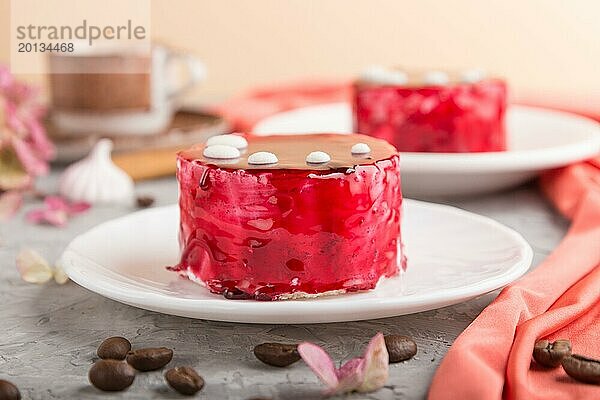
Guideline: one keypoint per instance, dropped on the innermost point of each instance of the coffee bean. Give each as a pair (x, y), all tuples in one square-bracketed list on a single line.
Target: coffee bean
[(550, 354), (149, 359), (111, 375), (582, 368), (144, 201), (114, 348), (400, 348), (184, 380), (8, 391), (277, 354)]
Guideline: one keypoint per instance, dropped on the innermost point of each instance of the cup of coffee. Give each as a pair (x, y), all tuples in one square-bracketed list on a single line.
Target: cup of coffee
[(119, 91)]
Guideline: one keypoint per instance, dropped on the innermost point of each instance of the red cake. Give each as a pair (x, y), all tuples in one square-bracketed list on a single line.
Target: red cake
[(252, 228), (432, 112)]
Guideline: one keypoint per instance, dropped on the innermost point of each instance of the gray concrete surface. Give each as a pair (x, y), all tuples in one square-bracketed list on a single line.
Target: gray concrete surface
[(49, 333)]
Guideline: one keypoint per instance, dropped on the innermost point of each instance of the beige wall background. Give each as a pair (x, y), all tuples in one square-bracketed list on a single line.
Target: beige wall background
[(541, 46)]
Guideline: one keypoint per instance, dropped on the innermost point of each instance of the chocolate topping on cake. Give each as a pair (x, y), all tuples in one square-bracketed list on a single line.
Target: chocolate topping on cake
[(292, 150)]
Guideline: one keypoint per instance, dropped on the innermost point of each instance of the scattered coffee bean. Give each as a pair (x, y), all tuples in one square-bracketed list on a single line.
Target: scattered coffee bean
[(184, 380), (149, 359), (550, 354), (8, 391), (111, 375), (277, 354), (144, 201), (114, 348), (400, 348), (583, 369), (236, 294)]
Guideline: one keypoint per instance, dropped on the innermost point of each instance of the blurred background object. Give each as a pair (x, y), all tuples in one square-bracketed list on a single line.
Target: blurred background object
[(547, 49)]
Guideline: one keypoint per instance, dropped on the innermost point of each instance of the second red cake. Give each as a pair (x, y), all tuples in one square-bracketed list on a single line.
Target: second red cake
[(319, 220), (432, 112)]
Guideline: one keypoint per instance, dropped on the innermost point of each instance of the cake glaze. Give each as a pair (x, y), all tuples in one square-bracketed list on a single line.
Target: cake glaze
[(291, 229), (464, 114)]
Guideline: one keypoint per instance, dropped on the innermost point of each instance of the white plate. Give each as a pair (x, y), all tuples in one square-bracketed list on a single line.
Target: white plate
[(453, 256), (538, 139)]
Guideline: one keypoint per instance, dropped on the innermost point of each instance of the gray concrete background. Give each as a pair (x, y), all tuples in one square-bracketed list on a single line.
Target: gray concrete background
[(49, 333)]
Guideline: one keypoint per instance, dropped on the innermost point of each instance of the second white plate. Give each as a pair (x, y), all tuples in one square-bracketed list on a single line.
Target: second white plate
[(453, 256), (539, 139)]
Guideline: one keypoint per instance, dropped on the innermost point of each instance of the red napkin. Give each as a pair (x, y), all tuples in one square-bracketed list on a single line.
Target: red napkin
[(491, 359), (245, 111)]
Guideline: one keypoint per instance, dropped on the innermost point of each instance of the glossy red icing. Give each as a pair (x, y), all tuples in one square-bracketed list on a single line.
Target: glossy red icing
[(252, 233), (454, 118)]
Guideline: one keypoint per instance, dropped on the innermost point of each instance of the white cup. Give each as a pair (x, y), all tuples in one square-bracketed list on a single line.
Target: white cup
[(119, 103)]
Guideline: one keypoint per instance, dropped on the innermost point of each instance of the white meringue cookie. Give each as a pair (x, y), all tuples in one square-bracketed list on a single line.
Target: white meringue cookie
[(233, 140), (360, 148), (262, 158), (95, 179), (221, 151), (384, 76), (436, 78), (472, 75), (318, 157)]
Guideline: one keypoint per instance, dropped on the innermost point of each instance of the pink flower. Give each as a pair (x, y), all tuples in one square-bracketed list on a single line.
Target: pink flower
[(56, 211), (364, 374), (10, 202), (21, 128)]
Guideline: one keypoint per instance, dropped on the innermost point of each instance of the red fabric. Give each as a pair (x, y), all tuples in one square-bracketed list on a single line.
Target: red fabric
[(491, 359)]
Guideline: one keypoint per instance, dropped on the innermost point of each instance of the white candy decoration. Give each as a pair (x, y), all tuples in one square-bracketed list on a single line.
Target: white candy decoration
[(221, 151), (95, 179), (436, 78), (360, 148), (262, 158), (318, 157), (233, 140), (472, 75), (384, 76)]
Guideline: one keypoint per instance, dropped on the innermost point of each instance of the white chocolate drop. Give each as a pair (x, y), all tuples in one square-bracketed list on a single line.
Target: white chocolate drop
[(221, 151), (318, 157), (384, 76), (360, 148), (472, 75), (262, 158), (436, 78), (233, 140)]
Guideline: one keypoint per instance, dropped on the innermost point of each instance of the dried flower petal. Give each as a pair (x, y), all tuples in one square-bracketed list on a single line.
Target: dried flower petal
[(10, 202), (319, 361), (60, 276), (364, 374), (12, 174), (376, 365), (32, 267), (56, 211)]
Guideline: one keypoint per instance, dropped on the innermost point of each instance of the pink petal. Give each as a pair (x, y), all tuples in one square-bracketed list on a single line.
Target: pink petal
[(55, 217), (351, 375), (56, 203), (78, 207), (28, 159), (321, 364), (376, 365), (10, 202), (39, 139), (35, 216)]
